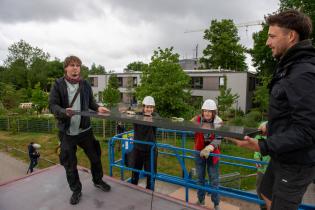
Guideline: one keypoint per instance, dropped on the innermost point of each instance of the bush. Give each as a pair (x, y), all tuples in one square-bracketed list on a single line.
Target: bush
[(249, 122), (238, 121), (254, 115)]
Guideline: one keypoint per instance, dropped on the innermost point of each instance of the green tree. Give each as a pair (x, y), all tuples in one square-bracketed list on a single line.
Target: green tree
[(224, 50), (166, 81), (111, 95), (226, 99), (8, 96), (261, 54), (113, 81), (25, 52), (17, 74), (20, 61), (261, 95), (84, 72), (24, 95), (306, 6), (136, 66), (39, 99), (97, 70), (54, 71), (38, 73)]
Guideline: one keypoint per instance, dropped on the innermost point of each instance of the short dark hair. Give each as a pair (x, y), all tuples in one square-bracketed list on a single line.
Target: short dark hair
[(71, 59), (293, 20)]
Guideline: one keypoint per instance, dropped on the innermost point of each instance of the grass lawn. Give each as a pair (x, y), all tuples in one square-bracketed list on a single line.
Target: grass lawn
[(166, 164)]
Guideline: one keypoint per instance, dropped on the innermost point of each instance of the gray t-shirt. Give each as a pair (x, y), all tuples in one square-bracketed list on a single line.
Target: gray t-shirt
[(74, 128)]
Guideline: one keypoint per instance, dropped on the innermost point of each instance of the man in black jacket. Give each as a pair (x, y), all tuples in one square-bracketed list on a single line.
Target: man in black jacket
[(291, 121), (72, 93)]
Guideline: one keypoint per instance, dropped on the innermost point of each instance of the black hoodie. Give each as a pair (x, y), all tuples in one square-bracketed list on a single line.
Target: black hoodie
[(291, 121)]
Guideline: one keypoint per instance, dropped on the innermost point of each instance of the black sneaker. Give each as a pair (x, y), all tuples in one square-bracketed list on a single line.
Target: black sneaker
[(75, 198), (103, 186)]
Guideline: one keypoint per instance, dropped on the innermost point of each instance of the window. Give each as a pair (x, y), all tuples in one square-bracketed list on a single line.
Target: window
[(93, 81), (196, 82), (120, 81), (221, 81), (252, 83), (134, 81)]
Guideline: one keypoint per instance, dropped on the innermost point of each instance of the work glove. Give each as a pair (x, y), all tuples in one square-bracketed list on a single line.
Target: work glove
[(206, 151)]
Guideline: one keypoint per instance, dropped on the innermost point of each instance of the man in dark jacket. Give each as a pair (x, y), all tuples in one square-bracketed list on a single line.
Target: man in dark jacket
[(291, 121), (72, 93)]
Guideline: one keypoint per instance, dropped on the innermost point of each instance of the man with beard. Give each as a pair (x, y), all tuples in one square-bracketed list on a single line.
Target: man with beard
[(69, 93), (291, 119)]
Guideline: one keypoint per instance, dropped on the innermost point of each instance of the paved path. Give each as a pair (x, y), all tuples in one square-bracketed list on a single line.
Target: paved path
[(11, 168)]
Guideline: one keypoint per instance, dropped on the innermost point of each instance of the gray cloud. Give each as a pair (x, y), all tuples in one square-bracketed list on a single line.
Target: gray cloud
[(42, 11), (202, 10), (174, 17), (114, 33)]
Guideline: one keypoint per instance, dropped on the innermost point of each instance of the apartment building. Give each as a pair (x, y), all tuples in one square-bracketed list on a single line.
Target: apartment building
[(204, 84)]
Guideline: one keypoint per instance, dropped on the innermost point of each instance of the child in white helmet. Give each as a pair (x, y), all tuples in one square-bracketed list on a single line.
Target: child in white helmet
[(207, 143), (140, 157), (33, 155)]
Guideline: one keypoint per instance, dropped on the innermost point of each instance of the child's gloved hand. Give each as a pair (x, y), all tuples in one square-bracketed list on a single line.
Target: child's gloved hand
[(206, 151)]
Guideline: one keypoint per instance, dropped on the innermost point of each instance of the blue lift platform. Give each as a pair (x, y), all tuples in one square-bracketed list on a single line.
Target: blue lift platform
[(181, 154)]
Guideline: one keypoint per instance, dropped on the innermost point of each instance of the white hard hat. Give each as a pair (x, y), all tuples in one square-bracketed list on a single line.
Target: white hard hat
[(149, 101), (209, 104), (36, 146)]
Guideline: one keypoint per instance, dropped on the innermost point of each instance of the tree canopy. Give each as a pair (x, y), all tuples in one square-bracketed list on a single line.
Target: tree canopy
[(306, 6), (261, 54), (100, 70), (111, 94), (25, 67), (39, 99), (167, 83), (224, 50), (136, 66), (24, 52)]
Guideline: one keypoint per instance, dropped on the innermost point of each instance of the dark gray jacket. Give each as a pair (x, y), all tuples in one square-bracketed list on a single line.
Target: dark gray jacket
[(291, 121), (58, 102), (144, 133)]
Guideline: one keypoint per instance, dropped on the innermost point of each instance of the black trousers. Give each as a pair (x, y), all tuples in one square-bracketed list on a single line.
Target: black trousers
[(285, 184), (141, 159), (33, 163), (68, 158)]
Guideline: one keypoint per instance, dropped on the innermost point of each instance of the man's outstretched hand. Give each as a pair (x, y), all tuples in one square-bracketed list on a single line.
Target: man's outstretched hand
[(247, 142), (102, 109)]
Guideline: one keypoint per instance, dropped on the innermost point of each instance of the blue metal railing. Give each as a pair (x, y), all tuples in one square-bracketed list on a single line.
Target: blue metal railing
[(181, 154)]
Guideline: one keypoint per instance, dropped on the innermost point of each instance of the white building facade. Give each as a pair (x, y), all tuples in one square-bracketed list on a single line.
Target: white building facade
[(205, 84)]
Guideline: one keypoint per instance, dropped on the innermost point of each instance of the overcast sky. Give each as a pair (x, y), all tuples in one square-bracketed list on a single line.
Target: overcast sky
[(114, 33)]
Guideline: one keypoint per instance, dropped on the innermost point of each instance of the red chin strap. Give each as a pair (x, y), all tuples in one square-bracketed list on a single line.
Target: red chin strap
[(73, 81)]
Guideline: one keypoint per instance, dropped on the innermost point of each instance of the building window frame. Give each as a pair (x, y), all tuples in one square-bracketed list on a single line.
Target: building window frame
[(196, 82)]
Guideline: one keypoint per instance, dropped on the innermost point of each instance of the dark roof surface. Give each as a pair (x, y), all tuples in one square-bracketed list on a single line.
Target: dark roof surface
[(48, 190)]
